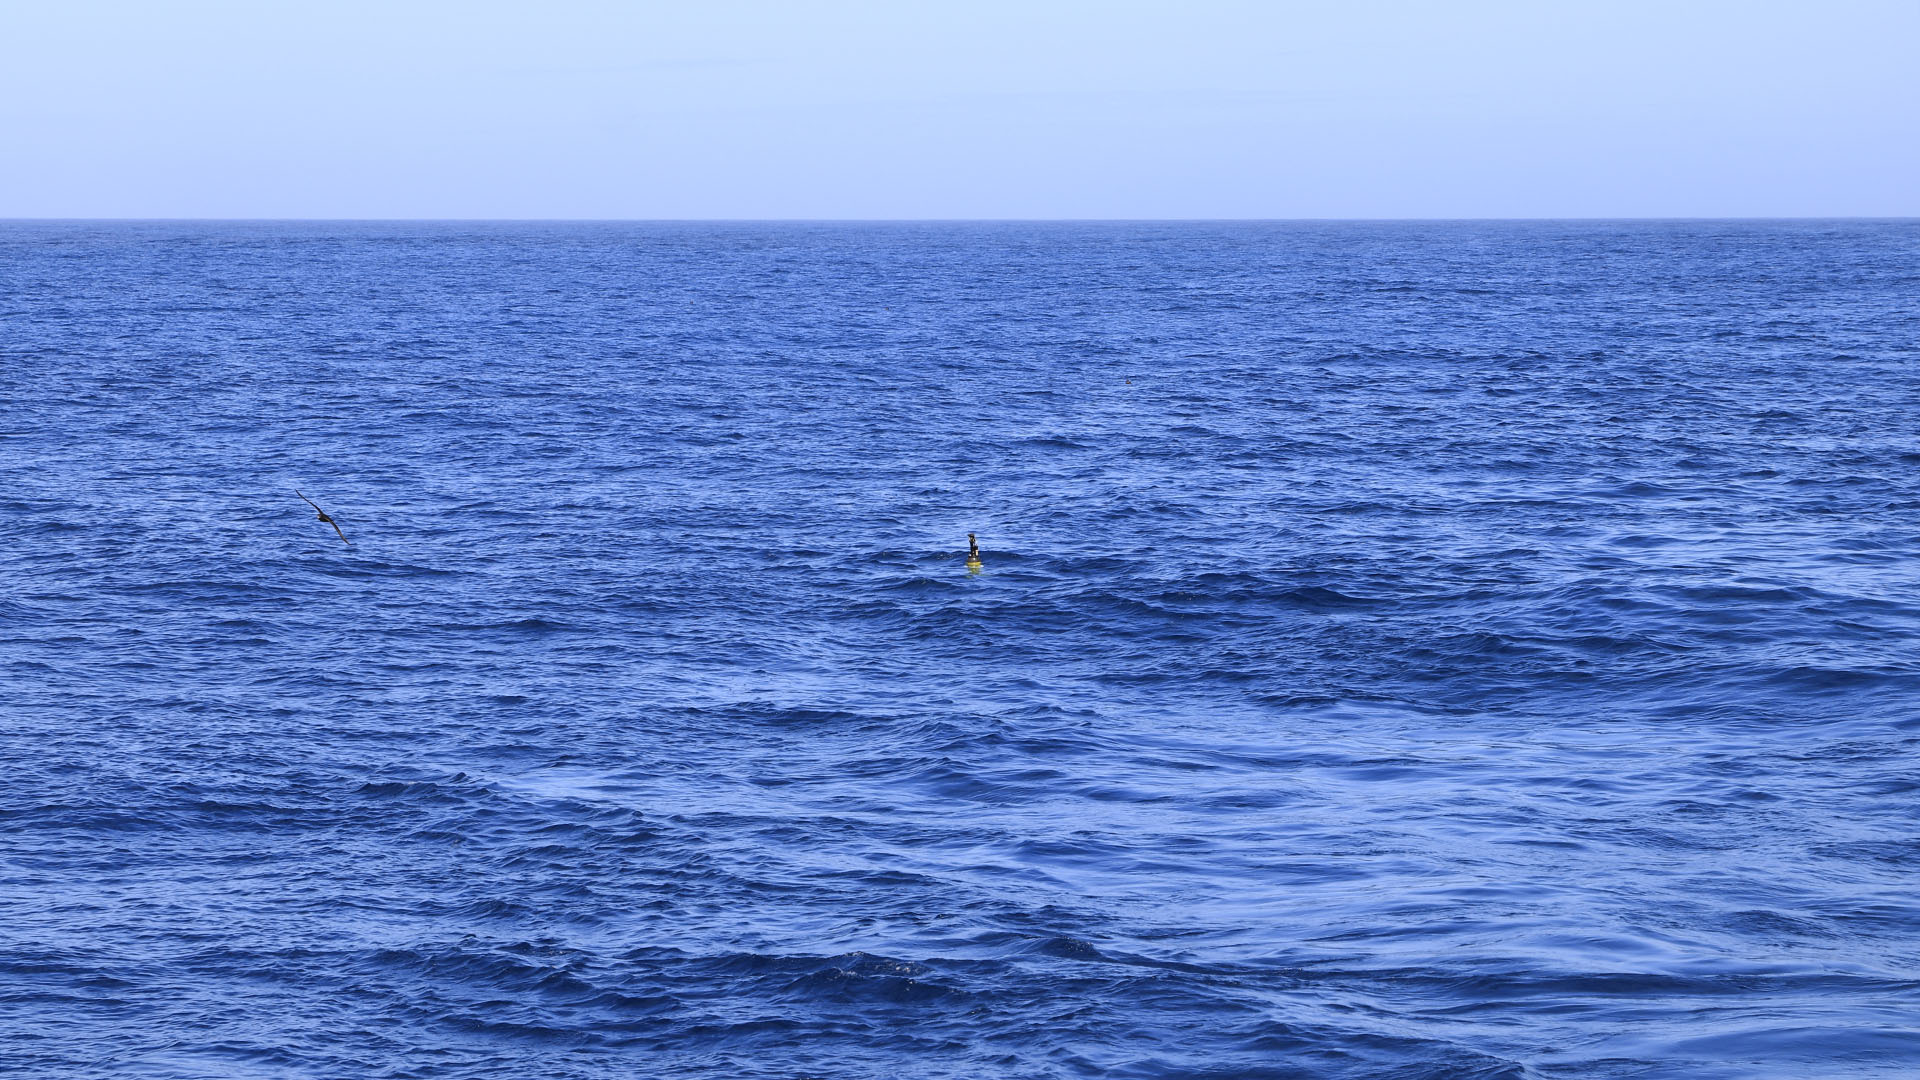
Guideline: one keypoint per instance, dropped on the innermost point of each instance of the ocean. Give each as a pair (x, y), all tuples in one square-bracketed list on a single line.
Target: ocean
[(1399, 650)]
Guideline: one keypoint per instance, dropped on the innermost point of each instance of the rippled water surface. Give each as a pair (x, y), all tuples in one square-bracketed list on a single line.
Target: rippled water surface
[(1453, 650)]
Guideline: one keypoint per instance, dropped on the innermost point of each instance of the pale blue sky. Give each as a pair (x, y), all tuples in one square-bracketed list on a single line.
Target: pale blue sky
[(841, 109)]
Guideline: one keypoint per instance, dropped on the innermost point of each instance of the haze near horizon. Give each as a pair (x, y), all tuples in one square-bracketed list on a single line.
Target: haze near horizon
[(738, 110)]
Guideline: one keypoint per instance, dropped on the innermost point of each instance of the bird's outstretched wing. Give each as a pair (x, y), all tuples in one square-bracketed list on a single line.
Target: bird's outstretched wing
[(324, 517)]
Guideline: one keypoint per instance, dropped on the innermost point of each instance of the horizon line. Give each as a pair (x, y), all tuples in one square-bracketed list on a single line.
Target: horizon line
[(946, 220)]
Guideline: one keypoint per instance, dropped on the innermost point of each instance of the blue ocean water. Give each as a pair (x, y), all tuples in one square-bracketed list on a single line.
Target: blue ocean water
[(1472, 650)]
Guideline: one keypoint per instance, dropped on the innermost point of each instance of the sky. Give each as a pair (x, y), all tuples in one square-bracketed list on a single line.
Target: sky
[(837, 109)]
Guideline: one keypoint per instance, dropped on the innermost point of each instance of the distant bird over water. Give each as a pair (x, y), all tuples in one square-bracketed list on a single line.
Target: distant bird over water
[(324, 517)]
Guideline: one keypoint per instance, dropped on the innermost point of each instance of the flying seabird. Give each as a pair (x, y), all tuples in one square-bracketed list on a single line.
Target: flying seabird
[(324, 517)]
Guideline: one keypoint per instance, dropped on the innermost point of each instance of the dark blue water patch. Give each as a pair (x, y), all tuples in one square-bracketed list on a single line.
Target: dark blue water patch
[(1400, 650)]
